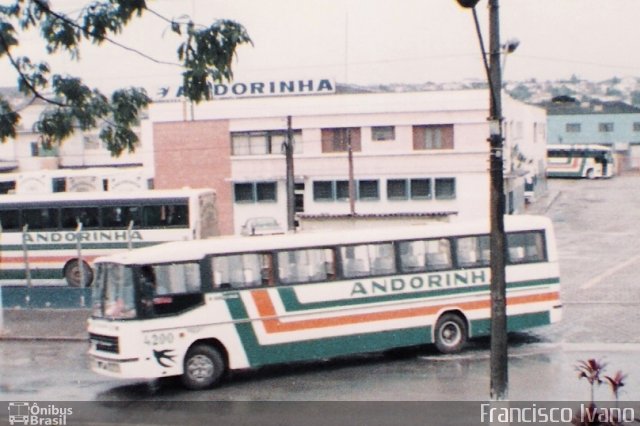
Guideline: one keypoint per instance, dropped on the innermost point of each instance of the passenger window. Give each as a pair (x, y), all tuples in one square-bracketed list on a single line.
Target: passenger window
[(9, 220), (305, 265), (120, 216), (176, 278), (425, 255), (240, 270), (166, 215), (88, 216), (367, 259), (38, 219), (473, 252), (526, 247)]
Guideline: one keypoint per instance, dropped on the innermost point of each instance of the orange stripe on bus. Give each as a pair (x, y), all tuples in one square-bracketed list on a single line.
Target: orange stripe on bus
[(274, 325)]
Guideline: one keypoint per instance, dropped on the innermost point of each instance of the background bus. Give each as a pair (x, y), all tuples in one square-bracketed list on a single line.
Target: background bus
[(39, 233), (580, 161), (200, 308)]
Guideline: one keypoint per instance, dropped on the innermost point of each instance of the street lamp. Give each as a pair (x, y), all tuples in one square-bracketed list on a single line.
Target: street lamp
[(498, 357)]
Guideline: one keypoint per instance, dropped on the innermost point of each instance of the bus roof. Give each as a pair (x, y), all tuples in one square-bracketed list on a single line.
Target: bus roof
[(61, 197), (183, 251), (578, 147)]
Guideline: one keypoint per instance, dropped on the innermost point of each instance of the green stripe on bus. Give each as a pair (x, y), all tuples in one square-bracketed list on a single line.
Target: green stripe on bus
[(310, 349), (514, 323), (74, 246), (329, 347), (36, 274)]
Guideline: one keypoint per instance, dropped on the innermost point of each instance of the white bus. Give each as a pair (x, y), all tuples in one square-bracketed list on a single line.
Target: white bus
[(198, 309), (41, 241), (580, 161)]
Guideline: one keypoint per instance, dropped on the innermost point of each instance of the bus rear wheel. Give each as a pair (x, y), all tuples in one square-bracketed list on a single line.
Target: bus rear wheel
[(450, 333), (72, 274), (204, 367)]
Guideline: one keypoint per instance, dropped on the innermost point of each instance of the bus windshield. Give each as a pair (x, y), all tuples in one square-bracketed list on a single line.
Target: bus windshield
[(114, 292)]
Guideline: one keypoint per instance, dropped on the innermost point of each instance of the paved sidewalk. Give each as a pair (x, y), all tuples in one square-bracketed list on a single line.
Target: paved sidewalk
[(44, 324)]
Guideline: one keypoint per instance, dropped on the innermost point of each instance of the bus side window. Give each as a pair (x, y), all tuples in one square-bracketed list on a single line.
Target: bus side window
[(9, 220), (120, 216), (425, 255), (88, 216), (305, 265), (177, 278), (42, 218), (237, 271), (473, 252), (161, 215), (355, 261), (367, 259), (525, 247)]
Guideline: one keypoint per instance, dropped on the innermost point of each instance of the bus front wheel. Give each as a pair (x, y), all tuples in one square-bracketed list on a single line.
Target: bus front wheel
[(72, 274), (204, 367), (450, 333)]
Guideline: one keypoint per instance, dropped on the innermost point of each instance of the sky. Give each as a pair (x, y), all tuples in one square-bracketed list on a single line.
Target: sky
[(369, 41)]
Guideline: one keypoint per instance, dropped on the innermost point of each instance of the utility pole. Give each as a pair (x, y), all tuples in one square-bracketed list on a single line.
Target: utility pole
[(352, 183), (498, 358), (290, 179)]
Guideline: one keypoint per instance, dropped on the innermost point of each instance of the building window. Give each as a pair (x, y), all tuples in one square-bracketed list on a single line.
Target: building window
[(445, 188), (383, 133), (433, 137), (252, 192), (403, 189), (265, 192), (336, 140), (636, 127), (263, 142), (341, 190), (420, 189), (323, 191), (573, 127), (91, 142), (368, 190), (331, 190), (397, 189), (605, 127), (338, 190)]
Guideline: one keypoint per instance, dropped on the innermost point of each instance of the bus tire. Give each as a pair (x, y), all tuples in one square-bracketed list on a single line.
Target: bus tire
[(591, 174), (204, 367), (450, 333), (72, 274)]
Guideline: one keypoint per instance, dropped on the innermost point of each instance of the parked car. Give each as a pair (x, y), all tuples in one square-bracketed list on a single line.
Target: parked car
[(261, 226)]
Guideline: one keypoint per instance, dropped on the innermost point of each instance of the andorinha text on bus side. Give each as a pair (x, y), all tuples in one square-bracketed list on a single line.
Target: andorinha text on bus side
[(44, 238), (198, 309)]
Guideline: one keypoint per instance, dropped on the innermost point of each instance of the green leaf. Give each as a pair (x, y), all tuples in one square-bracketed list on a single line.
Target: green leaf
[(9, 119)]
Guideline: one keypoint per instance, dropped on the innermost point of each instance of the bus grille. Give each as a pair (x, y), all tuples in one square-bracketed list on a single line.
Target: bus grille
[(105, 343)]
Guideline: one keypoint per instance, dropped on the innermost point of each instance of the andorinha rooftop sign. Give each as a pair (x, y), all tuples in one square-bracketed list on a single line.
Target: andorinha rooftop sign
[(260, 89)]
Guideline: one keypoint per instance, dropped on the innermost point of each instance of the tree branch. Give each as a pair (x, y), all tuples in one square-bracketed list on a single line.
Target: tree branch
[(45, 8), (34, 90)]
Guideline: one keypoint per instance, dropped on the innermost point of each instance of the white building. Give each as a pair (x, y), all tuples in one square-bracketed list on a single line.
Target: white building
[(416, 156), (27, 167)]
